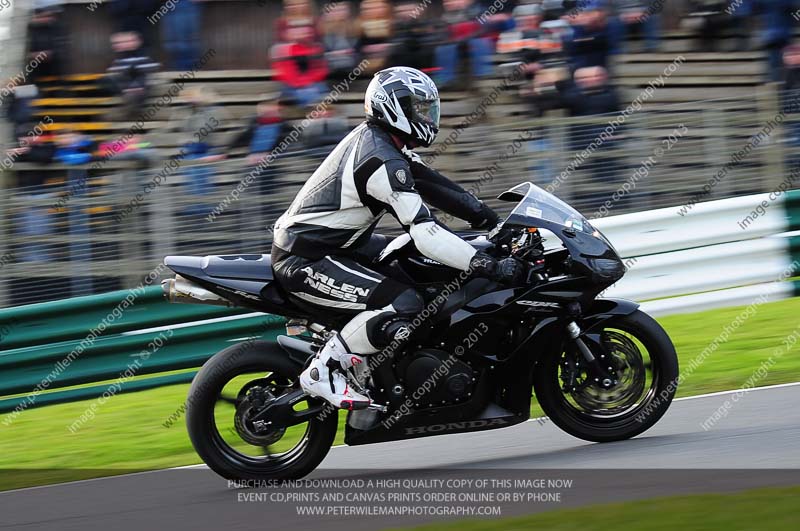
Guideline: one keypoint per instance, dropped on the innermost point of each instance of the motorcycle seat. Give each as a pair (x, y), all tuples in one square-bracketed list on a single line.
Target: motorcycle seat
[(257, 267)]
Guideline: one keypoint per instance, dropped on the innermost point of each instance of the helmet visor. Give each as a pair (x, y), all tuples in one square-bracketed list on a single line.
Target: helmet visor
[(428, 111)]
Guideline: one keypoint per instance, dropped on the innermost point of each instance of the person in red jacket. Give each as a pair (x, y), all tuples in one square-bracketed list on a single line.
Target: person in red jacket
[(300, 66)]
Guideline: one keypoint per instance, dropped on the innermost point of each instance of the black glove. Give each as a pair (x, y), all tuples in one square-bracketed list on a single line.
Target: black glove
[(511, 271), (506, 271)]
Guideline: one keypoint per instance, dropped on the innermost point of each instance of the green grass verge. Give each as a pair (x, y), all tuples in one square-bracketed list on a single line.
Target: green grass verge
[(128, 434), (762, 509)]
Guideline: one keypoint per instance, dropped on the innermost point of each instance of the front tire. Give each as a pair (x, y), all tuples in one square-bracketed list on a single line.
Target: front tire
[(579, 409), (272, 366)]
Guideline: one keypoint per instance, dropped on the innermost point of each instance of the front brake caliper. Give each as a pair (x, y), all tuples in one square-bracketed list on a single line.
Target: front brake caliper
[(569, 372)]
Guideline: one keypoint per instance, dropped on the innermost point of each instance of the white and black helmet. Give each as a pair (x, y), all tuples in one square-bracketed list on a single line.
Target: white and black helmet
[(406, 102)]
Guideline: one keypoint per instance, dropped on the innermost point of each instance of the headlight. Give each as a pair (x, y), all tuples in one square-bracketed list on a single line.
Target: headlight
[(607, 269)]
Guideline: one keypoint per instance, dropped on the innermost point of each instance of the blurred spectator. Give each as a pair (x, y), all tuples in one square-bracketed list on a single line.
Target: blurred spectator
[(32, 148), (413, 40), (633, 18), (592, 94), (375, 34), (181, 32), (778, 21), (300, 66), (296, 14), (536, 48), (35, 222), (791, 62), (544, 94), (529, 42), (464, 37), (339, 39), (496, 22), (263, 132), (128, 76), (47, 42), (199, 124), (17, 107), (545, 91), (591, 41), (533, 45), (556, 30), (131, 16), (36, 219), (262, 135), (199, 121), (528, 20), (73, 148)]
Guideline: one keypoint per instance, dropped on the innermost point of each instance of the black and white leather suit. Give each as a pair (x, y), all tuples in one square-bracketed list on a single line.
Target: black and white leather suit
[(319, 241)]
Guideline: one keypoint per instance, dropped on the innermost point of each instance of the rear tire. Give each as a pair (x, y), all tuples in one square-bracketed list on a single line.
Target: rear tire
[(258, 356), (597, 428)]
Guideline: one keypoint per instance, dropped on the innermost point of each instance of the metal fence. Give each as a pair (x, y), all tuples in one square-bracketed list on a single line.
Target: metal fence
[(103, 229)]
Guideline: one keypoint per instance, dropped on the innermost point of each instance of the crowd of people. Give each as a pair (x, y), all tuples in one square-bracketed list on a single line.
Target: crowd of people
[(458, 46), (564, 47)]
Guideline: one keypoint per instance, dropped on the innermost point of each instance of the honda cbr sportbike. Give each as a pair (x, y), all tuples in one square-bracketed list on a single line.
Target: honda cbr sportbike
[(602, 370)]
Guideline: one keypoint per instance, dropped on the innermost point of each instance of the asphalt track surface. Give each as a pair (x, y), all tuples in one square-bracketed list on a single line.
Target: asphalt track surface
[(756, 445)]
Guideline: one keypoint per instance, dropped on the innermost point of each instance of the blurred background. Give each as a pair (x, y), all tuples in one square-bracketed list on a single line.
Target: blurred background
[(101, 98)]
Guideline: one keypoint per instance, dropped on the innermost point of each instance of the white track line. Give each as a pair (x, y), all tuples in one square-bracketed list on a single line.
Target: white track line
[(721, 393), (707, 395)]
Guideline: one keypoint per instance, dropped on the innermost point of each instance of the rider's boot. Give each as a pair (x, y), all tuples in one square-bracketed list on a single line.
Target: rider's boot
[(324, 377)]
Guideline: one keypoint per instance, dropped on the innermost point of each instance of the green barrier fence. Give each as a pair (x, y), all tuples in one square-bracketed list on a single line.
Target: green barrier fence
[(69, 319), (49, 347)]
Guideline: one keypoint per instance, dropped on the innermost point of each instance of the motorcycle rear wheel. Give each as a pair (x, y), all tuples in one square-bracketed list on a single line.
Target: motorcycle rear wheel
[(273, 370)]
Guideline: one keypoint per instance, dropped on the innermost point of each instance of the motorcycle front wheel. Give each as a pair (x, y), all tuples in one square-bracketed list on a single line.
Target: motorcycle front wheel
[(645, 366)]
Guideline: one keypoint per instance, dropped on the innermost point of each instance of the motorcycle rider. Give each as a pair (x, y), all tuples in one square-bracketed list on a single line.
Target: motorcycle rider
[(321, 241)]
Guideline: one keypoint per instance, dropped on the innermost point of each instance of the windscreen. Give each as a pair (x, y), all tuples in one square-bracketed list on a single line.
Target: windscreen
[(538, 204)]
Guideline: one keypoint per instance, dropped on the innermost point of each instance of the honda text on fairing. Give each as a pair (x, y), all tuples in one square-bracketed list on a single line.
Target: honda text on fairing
[(601, 369)]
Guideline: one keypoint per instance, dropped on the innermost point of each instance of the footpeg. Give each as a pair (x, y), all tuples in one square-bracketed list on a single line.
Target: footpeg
[(353, 405)]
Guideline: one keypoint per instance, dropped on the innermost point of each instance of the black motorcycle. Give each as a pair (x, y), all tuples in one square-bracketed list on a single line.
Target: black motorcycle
[(602, 370)]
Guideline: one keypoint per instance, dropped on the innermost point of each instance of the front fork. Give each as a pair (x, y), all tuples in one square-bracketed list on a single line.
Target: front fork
[(600, 369)]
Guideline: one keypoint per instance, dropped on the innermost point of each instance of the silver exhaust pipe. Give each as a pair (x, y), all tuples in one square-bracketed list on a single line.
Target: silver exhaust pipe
[(180, 290)]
